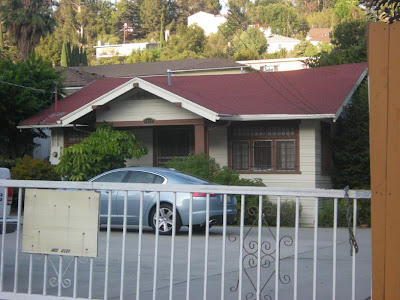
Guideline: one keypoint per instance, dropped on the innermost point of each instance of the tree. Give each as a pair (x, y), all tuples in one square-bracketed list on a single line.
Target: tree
[(72, 56), (383, 10), (150, 12), (251, 44), (103, 150), (322, 19), (186, 41), (351, 143), (49, 48), (284, 20), (127, 12), (304, 48), (26, 88), (28, 21), (349, 45), (346, 8)]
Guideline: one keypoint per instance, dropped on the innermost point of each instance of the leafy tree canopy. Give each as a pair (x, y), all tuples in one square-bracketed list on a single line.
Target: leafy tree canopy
[(349, 45), (351, 143), (28, 21), (188, 41), (105, 149), (251, 44), (25, 89), (383, 10)]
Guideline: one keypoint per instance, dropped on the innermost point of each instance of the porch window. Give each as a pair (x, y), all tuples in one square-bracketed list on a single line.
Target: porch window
[(264, 149)]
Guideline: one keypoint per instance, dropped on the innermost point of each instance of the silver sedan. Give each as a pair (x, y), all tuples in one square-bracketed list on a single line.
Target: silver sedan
[(161, 176)]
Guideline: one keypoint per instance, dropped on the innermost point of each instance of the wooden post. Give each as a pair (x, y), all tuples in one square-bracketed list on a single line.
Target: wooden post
[(384, 75), (199, 138)]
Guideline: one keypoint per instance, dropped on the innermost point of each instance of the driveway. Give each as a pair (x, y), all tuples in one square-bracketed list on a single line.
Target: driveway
[(231, 274)]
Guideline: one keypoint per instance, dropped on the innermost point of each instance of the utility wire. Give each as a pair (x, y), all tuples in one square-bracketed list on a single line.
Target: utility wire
[(25, 87), (309, 105)]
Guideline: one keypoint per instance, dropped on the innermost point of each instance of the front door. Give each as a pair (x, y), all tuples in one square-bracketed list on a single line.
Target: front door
[(173, 142)]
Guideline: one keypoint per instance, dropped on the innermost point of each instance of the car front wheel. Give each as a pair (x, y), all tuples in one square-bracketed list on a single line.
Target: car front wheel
[(165, 220)]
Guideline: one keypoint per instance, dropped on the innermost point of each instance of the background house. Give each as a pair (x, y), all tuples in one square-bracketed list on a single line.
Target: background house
[(276, 65), (107, 50), (208, 22), (274, 126), (319, 35)]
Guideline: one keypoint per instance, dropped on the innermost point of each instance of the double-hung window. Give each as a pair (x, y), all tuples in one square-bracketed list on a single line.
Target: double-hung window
[(264, 148)]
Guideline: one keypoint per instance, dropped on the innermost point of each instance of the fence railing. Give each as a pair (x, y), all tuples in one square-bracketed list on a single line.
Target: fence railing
[(242, 261)]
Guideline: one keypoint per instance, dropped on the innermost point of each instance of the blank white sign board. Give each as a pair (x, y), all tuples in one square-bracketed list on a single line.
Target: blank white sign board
[(61, 222)]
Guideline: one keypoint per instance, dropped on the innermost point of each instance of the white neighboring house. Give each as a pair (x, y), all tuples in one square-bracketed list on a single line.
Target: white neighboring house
[(276, 65), (277, 42), (106, 50), (208, 22)]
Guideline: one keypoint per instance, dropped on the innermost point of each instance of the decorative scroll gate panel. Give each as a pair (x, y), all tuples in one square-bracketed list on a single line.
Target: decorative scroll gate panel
[(255, 259)]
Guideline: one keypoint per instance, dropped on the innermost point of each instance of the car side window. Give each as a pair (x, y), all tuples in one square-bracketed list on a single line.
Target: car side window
[(112, 177), (144, 177)]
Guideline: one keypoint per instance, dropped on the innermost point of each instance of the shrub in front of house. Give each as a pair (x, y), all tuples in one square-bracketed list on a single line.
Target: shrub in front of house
[(28, 168), (326, 213), (207, 168)]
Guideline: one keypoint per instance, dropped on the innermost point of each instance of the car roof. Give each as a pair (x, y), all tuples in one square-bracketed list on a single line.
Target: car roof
[(169, 173)]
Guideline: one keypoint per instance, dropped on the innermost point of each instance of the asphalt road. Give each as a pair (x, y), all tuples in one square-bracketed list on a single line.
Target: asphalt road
[(214, 274)]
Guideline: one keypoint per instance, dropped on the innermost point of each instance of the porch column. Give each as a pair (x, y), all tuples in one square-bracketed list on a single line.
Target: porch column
[(199, 138)]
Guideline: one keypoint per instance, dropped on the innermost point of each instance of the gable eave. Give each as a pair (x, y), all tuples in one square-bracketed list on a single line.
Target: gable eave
[(143, 84), (350, 95)]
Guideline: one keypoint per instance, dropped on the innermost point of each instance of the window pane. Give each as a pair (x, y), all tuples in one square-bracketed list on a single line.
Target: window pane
[(240, 155), (285, 155), (262, 152), (112, 177), (141, 177)]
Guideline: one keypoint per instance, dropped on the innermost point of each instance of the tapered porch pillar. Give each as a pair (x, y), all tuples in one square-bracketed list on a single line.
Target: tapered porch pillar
[(199, 138)]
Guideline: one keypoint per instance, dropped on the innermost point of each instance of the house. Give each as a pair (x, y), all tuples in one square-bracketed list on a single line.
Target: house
[(208, 22), (319, 35), (75, 79), (277, 42), (183, 67), (107, 50), (274, 125), (276, 65)]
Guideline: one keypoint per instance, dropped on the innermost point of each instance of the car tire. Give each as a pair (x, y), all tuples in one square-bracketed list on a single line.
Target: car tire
[(165, 220)]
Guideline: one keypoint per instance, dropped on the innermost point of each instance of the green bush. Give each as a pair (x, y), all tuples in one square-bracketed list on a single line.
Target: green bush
[(27, 168), (105, 149), (288, 212), (206, 167), (325, 215)]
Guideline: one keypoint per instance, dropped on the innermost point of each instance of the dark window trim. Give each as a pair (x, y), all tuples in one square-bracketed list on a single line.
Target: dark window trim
[(251, 139)]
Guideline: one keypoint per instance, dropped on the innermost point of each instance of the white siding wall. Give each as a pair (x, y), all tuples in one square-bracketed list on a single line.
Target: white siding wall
[(138, 110), (321, 181), (146, 136), (218, 145)]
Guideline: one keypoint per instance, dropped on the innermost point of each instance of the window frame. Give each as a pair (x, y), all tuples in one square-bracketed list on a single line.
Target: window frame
[(273, 138)]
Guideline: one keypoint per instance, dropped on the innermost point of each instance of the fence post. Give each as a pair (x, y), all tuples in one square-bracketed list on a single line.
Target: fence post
[(384, 76)]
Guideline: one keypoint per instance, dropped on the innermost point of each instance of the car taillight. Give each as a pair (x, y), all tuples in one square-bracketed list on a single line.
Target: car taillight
[(202, 195), (9, 195)]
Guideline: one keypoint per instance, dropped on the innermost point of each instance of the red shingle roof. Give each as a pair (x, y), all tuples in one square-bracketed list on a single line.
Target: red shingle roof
[(75, 101), (302, 92), (312, 91)]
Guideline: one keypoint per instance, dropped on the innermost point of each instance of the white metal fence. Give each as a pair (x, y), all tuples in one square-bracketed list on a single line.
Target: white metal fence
[(225, 262)]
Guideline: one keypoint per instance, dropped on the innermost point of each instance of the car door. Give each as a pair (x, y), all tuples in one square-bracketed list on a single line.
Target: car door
[(117, 177), (134, 196)]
